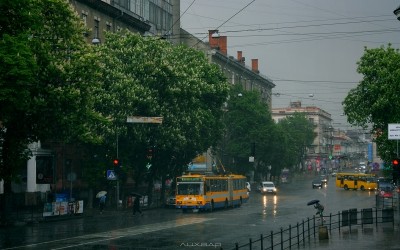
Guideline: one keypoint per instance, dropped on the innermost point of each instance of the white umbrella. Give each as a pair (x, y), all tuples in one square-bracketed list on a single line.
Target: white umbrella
[(100, 194)]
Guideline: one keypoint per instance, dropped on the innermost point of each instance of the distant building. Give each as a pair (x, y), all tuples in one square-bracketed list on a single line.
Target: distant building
[(318, 154), (332, 147), (322, 145)]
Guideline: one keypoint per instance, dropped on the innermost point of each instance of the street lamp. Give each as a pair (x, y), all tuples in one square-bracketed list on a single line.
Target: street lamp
[(397, 13), (95, 41)]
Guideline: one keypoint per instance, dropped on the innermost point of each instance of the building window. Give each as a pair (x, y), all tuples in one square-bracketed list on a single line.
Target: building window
[(96, 28), (84, 18), (108, 26)]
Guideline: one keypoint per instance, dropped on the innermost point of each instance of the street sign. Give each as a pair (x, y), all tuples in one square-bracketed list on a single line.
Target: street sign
[(143, 119), (111, 175), (394, 131)]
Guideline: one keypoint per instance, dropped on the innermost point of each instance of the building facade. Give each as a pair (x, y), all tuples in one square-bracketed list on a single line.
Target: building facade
[(317, 154)]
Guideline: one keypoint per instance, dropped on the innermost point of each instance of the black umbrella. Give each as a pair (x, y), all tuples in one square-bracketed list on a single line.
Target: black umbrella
[(312, 202)]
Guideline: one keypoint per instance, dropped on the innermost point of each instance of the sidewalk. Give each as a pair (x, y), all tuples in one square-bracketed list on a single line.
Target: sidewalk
[(384, 236), (29, 217)]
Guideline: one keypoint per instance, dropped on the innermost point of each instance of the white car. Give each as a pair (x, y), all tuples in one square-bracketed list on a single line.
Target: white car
[(267, 187)]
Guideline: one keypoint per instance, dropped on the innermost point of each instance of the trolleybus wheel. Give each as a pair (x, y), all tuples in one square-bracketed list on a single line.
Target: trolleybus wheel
[(362, 188), (346, 187)]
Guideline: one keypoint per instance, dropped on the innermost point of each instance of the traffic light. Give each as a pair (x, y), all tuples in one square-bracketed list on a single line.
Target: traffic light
[(150, 152), (116, 162), (396, 163), (396, 169), (117, 166)]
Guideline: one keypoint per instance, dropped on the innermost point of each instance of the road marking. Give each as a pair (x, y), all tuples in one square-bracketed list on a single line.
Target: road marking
[(116, 234)]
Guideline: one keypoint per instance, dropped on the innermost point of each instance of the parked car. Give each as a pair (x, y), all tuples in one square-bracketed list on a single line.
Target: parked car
[(317, 183), (248, 186), (171, 200), (267, 187), (385, 189)]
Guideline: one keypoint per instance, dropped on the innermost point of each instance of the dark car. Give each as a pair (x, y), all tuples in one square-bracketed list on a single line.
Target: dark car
[(385, 189), (317, 183), (324, 179)]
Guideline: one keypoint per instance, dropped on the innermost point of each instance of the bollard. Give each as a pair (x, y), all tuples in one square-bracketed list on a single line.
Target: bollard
[(323, 233)]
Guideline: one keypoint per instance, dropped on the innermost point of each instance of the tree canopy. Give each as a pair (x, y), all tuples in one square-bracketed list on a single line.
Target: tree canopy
[(374, 103), (44, 93), (147, 76), (248, 121)]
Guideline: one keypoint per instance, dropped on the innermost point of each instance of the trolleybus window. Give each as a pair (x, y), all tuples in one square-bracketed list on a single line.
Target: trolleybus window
[(189, 188)]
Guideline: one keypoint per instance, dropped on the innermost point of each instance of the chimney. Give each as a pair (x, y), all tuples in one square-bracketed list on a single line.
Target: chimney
[(240, 57), (213, 38), (254, 65), (217, 42)]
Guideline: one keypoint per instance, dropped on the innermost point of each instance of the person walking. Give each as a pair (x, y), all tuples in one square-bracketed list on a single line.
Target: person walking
[(320, 210), (102, 203), (136, 205)]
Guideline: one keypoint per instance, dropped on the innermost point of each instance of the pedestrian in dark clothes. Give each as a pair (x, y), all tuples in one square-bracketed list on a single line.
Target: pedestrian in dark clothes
[(136, 205)]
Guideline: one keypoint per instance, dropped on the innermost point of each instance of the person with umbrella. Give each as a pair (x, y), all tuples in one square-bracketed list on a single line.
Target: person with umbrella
[(102, 202), (320, 208), (136, 203)]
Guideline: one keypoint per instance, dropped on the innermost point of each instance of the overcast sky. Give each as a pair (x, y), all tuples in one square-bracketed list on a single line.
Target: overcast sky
[(309, 48)]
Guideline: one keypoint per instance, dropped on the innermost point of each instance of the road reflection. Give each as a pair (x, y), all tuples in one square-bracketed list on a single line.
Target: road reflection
[(270, 206)]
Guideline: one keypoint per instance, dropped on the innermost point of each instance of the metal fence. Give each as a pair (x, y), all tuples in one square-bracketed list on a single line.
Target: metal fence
[(302, 232)]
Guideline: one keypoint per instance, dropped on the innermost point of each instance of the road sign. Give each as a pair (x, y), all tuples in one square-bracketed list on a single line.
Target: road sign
[(111, 175), (394, 131), (144, 119)]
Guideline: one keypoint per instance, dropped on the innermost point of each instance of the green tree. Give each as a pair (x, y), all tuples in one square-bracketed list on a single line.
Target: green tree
[(374, 102), (247, 121), (146, 76), (45, 86), (299, 133)]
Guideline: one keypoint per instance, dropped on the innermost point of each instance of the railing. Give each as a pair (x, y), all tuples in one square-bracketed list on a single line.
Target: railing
[(300, 233)]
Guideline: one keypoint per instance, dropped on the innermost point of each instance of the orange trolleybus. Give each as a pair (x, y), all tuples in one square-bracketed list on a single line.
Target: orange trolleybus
[(356, 181), (208, 191)]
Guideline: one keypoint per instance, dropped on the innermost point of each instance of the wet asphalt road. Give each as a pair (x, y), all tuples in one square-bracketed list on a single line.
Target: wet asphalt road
[(172, 229)]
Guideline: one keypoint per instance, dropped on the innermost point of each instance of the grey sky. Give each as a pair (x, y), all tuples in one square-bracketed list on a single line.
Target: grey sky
[(305, 46)]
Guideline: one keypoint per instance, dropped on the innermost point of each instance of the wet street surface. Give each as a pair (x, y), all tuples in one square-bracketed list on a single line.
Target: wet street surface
[(171, 229)]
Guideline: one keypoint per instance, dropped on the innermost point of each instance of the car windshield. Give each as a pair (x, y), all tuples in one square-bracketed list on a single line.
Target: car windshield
[(268, 185), (385, 186)]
